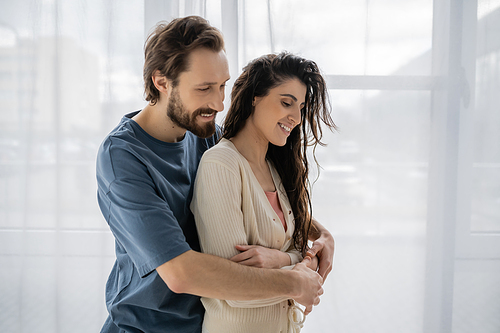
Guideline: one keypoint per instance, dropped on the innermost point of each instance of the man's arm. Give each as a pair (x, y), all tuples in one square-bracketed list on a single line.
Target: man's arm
[(214, 277), (323, 247)]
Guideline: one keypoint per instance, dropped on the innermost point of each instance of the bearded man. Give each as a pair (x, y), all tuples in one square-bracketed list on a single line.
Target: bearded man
[(146, 169)]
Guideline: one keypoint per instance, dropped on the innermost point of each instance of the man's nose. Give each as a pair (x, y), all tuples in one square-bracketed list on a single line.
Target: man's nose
[(217, 101)]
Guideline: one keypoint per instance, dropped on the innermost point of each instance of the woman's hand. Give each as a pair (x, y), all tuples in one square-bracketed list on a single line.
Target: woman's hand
[(313, 263), (262, 257)]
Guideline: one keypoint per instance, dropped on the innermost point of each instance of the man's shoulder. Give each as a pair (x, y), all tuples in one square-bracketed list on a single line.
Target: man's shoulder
[(116, 148), (121, 134)]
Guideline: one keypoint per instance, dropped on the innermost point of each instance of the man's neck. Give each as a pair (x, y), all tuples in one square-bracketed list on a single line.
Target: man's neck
[(154, 120)]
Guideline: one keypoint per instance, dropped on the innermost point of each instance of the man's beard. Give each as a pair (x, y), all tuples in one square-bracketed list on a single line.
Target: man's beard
[(179, 116)]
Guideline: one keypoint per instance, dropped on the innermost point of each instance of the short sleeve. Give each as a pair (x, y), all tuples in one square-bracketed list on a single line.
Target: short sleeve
[(141, 221)]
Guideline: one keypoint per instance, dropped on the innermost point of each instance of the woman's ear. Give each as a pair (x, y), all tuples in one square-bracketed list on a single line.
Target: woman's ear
[(256, 100), (160, 81)]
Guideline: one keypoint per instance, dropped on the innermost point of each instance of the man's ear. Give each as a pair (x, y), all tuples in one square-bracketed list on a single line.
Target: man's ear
[(160, 81)]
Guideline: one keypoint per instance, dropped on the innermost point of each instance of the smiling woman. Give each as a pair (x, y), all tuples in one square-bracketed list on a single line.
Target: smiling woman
[(277, 113), (251, 191)]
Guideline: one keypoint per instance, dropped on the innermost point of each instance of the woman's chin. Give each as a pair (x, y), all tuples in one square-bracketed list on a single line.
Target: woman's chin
[(279, 143)]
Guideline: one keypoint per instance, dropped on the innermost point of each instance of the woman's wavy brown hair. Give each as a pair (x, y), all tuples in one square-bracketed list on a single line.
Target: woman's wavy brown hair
[(258, 78)]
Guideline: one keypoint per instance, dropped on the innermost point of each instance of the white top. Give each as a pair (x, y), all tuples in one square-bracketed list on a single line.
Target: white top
[(231, 208)]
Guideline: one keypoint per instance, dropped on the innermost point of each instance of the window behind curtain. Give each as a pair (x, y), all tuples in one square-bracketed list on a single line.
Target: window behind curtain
[(70, 70)]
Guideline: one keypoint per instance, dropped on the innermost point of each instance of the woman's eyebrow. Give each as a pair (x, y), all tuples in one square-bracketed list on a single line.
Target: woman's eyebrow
[(289, 95)]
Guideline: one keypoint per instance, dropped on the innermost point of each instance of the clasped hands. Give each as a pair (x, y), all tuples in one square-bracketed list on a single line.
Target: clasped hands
[(319, 258)]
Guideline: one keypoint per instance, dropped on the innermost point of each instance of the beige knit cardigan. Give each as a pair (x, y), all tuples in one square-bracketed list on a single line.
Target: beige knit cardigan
[(231, 208)]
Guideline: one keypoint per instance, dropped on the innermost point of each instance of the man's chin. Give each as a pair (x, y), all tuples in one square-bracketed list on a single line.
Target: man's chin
[(205, 131)]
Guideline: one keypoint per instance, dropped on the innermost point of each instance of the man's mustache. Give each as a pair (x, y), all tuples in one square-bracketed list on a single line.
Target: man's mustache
[(200, 111)]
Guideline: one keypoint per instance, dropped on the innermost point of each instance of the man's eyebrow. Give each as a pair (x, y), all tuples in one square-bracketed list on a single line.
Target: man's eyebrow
[(209, 83), (205, 84)]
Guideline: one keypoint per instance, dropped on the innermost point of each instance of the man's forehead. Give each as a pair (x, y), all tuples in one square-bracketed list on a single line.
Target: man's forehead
[(206, 67)]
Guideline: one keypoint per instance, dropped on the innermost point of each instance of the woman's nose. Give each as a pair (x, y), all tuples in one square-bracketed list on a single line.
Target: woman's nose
[(294, 117)]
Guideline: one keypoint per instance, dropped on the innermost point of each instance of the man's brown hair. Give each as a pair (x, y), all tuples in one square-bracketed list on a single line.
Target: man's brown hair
[(167, 49)]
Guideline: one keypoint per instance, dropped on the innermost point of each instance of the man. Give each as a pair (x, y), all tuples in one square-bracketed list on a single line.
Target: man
[(145, 170)]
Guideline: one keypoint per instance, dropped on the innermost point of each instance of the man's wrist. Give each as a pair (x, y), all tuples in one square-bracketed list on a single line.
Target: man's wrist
[(318, 231), (293, 283)]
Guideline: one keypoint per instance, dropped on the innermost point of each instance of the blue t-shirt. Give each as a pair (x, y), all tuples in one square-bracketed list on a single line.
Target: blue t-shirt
[(144, 192)]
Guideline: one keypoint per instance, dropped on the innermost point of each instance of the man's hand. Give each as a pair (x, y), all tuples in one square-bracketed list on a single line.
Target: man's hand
[(323, 247), (262, 257), (310, 285)]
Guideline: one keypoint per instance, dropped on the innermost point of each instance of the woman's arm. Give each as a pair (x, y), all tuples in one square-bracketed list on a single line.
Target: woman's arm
[(263, 257), (216, 206)]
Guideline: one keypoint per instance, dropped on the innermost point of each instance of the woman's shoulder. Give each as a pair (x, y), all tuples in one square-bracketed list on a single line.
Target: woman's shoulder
[(224, 152)]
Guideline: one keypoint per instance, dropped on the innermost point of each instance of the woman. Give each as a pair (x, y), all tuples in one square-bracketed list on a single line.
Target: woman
[(251, 200)]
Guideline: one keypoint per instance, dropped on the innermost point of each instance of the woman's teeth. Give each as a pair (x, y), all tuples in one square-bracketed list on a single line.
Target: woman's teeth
[(286, 128)]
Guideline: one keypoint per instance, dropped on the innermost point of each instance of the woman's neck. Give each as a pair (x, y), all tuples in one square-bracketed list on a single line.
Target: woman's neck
[(252, 146)]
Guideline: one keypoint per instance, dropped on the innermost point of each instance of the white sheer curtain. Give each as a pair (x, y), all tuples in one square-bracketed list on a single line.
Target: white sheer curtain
[(410, 185)]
